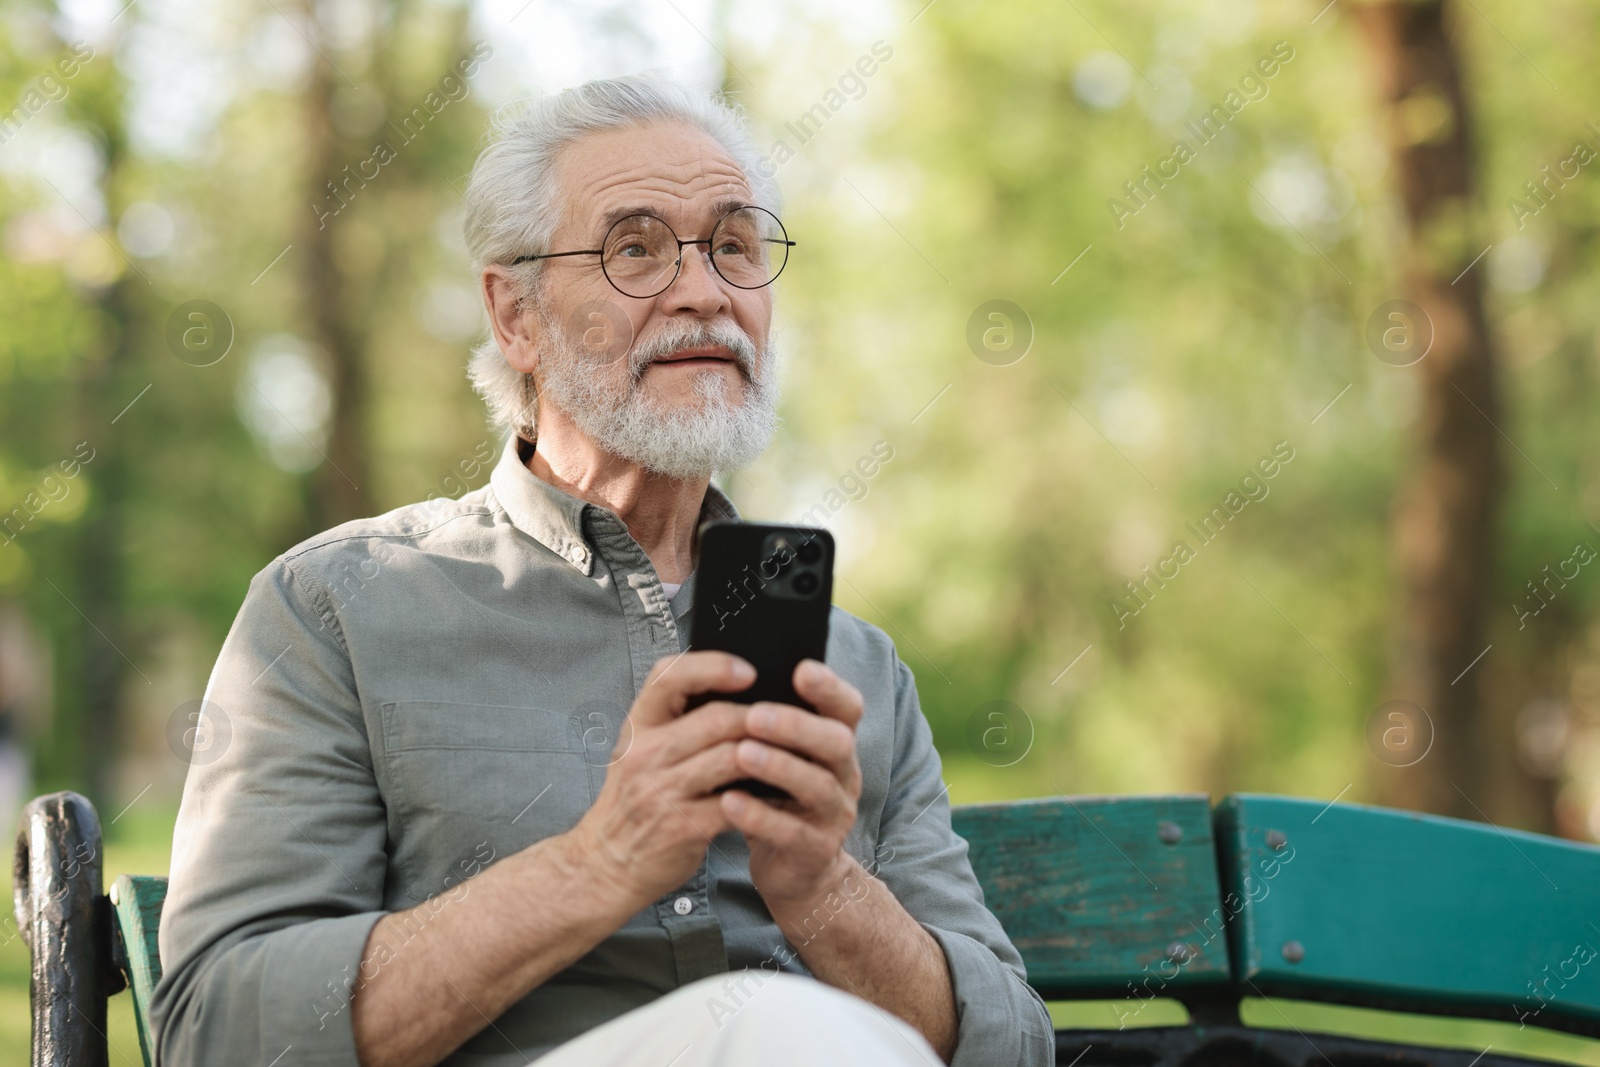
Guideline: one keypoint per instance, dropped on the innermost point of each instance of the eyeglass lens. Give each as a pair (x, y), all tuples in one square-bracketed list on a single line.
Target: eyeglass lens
[(747, 248)]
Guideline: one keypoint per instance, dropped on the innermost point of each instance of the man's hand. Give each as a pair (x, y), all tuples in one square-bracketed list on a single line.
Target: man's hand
[(797, 846), (869, 945), (656, 814)]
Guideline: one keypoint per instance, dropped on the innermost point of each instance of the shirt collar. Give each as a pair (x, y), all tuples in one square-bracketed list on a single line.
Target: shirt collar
[(556, 519)]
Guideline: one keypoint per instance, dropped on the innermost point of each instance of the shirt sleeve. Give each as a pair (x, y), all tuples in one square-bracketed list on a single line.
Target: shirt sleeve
[(924, 863), (278, 853)]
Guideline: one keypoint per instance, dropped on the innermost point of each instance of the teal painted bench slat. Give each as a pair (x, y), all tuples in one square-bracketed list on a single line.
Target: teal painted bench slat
[(1411, 912), (136, 902), (1103, 896)]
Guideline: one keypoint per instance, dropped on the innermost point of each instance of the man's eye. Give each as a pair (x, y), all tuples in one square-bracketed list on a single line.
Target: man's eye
[(631, 249), (729, 248)]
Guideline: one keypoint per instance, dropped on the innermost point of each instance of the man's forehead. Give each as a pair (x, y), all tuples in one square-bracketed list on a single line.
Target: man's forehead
[(676, 171)]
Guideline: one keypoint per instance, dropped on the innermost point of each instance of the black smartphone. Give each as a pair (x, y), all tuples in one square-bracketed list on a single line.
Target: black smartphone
[(763, 592)]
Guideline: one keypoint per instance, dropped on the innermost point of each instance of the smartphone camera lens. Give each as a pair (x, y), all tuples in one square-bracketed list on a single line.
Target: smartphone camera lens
[(809, 552), (805, 583), (779, 558)]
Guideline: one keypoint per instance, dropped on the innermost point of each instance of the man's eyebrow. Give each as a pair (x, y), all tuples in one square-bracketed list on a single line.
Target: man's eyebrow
[(719, 207), (722, 205)]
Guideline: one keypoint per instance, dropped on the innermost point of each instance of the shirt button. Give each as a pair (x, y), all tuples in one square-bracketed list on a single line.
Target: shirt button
[(683, 905), (580, 555)]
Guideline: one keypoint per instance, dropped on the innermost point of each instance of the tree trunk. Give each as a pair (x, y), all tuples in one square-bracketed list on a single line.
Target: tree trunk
[(1444, 516), (102, 642), (336, 492)]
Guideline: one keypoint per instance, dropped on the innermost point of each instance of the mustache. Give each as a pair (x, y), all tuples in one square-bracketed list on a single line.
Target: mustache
[(676, 336)]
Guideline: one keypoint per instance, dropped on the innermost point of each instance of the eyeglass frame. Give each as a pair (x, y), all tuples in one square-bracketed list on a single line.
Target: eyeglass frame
[(677, 267)]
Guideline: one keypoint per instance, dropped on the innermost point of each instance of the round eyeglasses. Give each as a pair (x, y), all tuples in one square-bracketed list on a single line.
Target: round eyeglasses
[(641, 255)]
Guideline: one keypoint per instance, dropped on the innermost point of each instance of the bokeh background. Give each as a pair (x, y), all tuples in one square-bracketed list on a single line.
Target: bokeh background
[(237, 310)]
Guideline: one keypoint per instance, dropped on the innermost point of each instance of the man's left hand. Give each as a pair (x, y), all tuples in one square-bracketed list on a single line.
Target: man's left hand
[(797, 846)]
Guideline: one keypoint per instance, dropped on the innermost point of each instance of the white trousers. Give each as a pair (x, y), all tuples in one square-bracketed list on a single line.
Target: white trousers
[(750, 1019)]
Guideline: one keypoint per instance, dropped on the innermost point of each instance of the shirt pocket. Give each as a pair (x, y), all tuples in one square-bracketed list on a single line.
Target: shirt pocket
[(468, 784)]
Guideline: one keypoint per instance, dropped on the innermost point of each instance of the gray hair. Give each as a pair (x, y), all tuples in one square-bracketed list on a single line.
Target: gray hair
[(513, 202)]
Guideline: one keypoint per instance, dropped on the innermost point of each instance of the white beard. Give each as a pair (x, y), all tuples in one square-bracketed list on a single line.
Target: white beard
[(683, 441)]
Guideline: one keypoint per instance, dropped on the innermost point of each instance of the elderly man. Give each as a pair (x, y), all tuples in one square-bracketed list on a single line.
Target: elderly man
[(455, 810)]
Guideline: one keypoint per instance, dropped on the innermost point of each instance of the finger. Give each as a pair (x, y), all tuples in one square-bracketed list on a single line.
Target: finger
[(830, 694), (762, 822), (822, 740), (709, 724), (673, 679), (716, 766), (815, 789)]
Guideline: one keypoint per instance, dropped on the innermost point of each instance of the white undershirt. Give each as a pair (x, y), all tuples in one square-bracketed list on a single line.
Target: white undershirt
[(671, 588)]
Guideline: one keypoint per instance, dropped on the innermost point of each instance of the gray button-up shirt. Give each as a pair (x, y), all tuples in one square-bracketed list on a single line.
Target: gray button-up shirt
[(405, 699)]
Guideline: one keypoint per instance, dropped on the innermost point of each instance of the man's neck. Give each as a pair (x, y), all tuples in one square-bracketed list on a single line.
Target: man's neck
[(660, 513)]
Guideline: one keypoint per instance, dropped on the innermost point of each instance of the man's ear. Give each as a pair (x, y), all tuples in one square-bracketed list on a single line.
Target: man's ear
[(515, 330)]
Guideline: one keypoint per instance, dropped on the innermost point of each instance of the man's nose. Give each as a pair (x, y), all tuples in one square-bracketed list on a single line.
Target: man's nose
[(698, 287)]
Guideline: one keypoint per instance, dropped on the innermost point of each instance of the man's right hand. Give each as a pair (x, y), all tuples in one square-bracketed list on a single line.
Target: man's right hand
[(655, 816)]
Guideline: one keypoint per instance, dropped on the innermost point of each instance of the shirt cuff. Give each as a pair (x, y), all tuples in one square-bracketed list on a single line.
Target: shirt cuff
[(307, 979), (1001, 1019)]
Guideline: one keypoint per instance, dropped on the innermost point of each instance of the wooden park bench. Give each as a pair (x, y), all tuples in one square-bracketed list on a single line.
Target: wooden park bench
[(1108, 898)]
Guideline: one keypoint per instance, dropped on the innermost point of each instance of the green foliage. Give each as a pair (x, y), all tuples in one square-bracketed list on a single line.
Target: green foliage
[(1196, 330)]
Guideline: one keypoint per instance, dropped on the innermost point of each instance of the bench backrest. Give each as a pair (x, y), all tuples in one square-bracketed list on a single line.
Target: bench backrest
[(1104, 896), (1410, 912)]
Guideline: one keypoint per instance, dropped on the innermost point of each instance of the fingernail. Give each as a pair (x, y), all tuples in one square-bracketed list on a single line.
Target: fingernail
[(763, 717), (753, 753), (733, 802), (743, 669)]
